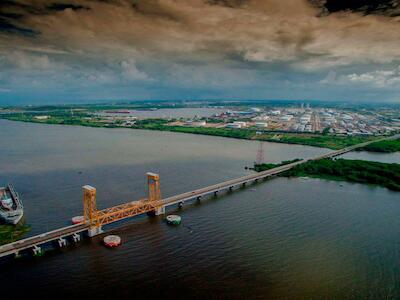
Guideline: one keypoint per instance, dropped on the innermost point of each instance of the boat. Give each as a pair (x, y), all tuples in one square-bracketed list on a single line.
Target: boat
[(11, 208)]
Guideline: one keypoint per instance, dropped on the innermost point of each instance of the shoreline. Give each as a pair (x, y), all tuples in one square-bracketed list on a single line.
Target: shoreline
[(304, 139)]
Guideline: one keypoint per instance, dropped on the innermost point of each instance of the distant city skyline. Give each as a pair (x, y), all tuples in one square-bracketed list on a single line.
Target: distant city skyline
[(84, 51)]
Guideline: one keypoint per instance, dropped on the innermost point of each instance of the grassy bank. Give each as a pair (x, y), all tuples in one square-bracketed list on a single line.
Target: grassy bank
[(359, 171), (222, 132), (9, 233), (307, 139), (383, 146), (56, 119), (316, 140)]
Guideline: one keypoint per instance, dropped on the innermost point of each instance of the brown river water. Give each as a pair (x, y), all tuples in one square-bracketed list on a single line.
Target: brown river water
[(282, 239)]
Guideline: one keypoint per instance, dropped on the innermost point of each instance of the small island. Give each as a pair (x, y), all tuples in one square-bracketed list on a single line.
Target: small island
[(359, 171)]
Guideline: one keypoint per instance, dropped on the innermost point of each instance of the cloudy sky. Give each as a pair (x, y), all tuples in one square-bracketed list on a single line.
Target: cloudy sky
[(59, 51)]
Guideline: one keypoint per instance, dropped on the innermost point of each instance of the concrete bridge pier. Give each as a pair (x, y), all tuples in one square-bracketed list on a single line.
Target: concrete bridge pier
[(198, 198), (62, 242), (93, 231), (216, 193), (180, 204), (76, 237), (230, 188), (160, 211), (37, 251)]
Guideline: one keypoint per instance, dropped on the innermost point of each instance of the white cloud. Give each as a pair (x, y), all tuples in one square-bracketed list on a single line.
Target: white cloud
[(389, 78), (131, 72), (25, 61)]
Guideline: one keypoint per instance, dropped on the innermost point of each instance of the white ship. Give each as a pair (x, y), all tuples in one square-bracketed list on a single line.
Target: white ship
[(11, 208)]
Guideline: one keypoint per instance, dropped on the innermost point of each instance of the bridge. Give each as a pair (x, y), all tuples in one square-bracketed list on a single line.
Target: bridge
[(95, 219)]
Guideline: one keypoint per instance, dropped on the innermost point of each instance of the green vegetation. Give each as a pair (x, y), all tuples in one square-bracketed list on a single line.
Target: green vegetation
[(150, 123), (224, 132), (10, 233), (59, 118), (383, 146), (383, 174), (264, 167), (161, 125), (317, 140)]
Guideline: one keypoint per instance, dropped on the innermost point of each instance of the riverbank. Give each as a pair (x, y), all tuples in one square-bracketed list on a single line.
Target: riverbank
[(307, 139), (10, 233), (388, 146), (359, 171), (264, 167)]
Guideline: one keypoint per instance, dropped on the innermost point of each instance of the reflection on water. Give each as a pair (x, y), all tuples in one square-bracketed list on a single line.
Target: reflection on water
[(286, 238)]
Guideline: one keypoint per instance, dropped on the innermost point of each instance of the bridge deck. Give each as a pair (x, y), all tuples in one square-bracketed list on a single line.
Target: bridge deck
[(41, 239)]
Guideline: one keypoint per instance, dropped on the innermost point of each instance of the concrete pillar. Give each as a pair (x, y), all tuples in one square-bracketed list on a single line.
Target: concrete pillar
[(93, 231), (76, 237), (230, 188), (17, 255), (62, 242), (198, 198), (37, 251), (180, 204), (216, 194), (244, 184), (160, 211)]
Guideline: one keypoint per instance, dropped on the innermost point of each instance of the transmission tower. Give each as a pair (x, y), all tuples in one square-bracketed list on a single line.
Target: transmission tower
[(260, 152)]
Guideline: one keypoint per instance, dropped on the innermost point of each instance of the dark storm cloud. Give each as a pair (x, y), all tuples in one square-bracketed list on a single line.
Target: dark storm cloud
[(13, 12), (8, 18), (196, 44), (23, 8), (228, 3), (379, 7), (64, 6), (7, 26), (255, 30)]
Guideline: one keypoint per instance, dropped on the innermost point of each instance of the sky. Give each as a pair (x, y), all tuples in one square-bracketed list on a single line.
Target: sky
[(73, 51)]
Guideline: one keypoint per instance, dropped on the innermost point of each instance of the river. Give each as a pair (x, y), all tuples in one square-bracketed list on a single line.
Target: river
[(166, 113), (286, 238)]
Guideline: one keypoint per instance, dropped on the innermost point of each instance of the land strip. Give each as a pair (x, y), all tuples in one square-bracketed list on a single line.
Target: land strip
[(333, 142), (359, 171)]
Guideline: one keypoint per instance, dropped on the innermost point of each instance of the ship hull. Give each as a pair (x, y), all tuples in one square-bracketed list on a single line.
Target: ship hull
[(11, 208), (13, 217)]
